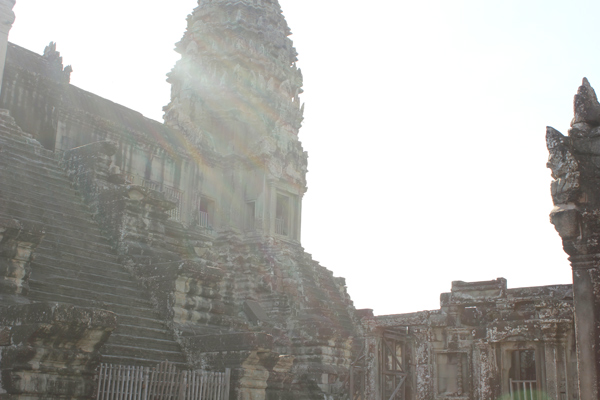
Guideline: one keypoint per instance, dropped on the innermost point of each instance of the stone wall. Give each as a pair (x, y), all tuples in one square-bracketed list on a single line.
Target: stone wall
[(50, 351), (468, 349), (258, 305)]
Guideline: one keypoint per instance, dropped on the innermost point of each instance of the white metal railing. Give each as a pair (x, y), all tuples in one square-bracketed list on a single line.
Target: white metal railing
[(280, 226), (163, 382), (523, 389)]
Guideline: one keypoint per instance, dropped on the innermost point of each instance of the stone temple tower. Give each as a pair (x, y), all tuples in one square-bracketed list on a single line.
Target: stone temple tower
[(235, 94), (203, 210)]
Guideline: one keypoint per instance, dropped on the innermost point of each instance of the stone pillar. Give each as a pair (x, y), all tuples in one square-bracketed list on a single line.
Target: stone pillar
[(372, 342), (7, 17), (574, 161), (586, 283), (551, 360), (485, 379)]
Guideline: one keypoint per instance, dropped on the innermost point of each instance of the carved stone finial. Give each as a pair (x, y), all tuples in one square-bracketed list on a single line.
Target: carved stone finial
[(55, 62), (67, 74), (52, 55), (585, 105), (564, 167)]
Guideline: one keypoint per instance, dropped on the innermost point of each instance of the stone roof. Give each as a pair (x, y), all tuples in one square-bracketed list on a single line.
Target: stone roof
[(73, 98)]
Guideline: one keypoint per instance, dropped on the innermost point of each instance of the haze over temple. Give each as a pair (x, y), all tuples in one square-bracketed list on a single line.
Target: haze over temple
[(143, 259)]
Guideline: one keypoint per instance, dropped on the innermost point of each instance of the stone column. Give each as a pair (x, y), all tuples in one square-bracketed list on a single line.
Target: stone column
[(372, 343), (575, 164), (7, 17), (485, 380), (551, 358)]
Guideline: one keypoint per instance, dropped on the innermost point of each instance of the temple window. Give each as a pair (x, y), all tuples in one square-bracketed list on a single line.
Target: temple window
[(250, 216), (206, 212), (282, 215), (522, 375), (452, 372), (392, 367)]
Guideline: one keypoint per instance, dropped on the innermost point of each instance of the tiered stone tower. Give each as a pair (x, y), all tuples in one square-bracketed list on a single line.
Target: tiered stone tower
[(203, 210), (235, 91)]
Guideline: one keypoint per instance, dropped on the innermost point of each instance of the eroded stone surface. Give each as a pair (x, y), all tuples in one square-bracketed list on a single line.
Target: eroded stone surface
[(18, 241), (51, 350), (575, 164), (467, 349), (205, 212)]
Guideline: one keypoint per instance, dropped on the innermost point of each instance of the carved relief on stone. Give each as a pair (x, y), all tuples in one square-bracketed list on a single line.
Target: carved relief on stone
[(275, 167), (564, 166), (255, 66), (575, 165)]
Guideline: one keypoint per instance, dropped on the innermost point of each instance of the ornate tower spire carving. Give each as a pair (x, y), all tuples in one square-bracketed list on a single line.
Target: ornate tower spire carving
[(237, 81), (235, 94)]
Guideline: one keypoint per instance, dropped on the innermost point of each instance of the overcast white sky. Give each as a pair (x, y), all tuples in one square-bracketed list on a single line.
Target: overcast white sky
[(424, 123)]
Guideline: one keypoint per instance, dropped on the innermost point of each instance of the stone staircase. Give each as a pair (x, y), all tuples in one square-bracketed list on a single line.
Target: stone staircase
[(75, 263)]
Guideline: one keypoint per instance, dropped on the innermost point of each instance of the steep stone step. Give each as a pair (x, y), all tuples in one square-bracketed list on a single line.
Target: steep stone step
[(140, 322), (40, 198), (146, 342), (85, 273), (142, 353), (63, 254), (34, 171), (22, 151), (122, 288), (71, 252), (66, 229), (83, 295), (92, 267), (25, 146), (75, 263), (70, 221), (140, 317), (146, 331), (53, 239), (34, 191), (115, 359)]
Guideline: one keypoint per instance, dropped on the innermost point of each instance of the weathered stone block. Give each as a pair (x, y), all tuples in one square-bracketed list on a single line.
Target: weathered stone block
[(52, 349)]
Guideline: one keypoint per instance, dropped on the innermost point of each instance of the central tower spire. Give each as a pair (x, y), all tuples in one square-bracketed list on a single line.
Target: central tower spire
[(237, 80), (235, 95)]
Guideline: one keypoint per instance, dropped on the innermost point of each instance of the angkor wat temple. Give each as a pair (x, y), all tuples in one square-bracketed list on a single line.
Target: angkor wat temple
[(131, 242)]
